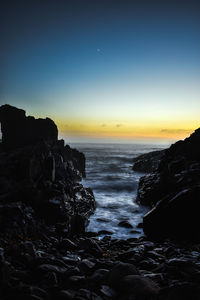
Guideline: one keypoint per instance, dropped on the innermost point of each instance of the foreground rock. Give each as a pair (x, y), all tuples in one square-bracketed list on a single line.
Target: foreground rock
[(174, 192), (148, 162), (98, 269)]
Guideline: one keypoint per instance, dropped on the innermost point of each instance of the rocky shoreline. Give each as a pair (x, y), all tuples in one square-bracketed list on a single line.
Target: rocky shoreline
[(173, 193), (86, 268), (45, 252), (40, 179)]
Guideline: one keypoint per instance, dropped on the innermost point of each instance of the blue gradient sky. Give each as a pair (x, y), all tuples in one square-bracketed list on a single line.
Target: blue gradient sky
[(105, 69)]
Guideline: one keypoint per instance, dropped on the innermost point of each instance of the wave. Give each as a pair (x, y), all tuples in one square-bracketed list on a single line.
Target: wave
[(110, 158), (113, 168), (120, 158), (109, 174), (114, 186), (108, 167)]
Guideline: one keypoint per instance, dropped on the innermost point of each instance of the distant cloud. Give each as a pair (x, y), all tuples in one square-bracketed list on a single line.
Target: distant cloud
[(119, 125), (176, 130)]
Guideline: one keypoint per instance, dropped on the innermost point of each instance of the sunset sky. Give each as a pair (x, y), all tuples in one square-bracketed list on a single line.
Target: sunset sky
[(104, 70)]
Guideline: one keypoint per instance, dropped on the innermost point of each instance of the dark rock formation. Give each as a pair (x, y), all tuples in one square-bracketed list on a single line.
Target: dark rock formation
[(174, 192), (77, 158), (148, 162), (39, 179), (19, 130)]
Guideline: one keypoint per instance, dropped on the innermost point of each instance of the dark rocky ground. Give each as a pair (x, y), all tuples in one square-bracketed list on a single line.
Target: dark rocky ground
[(45, 253), (82, 267)]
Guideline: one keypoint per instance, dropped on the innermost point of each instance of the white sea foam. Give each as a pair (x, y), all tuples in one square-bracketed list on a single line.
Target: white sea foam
[(109, 174)]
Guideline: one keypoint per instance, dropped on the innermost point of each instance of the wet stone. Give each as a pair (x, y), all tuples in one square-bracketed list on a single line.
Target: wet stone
[(76, 281), (86, 266), (139, 286), (99, 275), (52, 268), (65, 295), (67, 244), (125, 224), (118, 272), (105, 232)]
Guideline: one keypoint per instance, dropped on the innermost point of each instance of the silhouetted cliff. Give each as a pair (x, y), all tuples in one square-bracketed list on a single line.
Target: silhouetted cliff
[(174, 192), (39, 178), (19, 130)]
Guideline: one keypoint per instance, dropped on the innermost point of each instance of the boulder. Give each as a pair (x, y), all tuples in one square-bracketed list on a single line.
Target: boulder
[(175, 216), (140, 287), (118, 273), (183, 291)]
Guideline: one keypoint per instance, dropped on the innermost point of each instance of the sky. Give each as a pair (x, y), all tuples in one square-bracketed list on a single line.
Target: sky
[(104, 70)]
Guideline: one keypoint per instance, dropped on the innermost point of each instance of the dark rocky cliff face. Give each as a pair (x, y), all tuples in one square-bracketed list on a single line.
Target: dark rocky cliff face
[(39, 178), (174, 192), (19, 130)]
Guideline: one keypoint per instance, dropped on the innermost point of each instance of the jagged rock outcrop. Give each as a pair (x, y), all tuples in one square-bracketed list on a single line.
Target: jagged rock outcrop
[(77, 158), (39, 178), (174, 192), (148, 162), (19, 130)]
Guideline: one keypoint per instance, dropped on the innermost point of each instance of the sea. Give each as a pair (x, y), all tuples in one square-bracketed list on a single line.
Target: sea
[(109, 174)]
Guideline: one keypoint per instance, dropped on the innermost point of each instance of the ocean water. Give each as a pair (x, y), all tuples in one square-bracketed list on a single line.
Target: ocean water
[(109, 173)]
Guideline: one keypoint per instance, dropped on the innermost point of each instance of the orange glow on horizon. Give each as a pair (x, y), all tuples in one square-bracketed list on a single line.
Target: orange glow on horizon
[(124, 130)]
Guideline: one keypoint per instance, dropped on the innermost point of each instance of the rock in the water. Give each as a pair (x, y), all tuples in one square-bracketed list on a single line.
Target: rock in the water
[(125, 224), (148, 162)]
